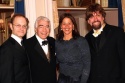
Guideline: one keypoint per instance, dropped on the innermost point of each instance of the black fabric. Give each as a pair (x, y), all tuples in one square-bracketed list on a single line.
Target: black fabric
[(42, 71), (67, 79), (108, 63), (22, 43), (44, 42), (14, 63), (97, 42)]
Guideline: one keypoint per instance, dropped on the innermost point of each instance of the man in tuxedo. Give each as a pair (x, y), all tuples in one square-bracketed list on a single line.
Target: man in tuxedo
[(14, 64), (41, 52), (107, 47)]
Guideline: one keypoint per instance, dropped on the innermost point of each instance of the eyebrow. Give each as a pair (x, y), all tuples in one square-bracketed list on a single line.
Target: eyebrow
[(40, 25)]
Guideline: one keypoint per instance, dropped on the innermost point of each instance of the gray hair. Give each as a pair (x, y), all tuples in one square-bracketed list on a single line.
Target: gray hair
[(41, 18)]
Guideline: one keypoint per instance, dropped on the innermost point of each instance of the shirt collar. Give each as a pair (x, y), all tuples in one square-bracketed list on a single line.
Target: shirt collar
[(39, 39), (101, 29), (98, 32), (16, 38)]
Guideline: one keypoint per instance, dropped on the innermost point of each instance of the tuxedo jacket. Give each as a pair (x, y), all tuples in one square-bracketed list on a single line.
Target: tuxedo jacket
[(42, 71), (14, 67), (107, 55)]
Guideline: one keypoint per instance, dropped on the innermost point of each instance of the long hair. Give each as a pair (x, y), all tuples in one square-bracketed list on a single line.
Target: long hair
[(75, 32)]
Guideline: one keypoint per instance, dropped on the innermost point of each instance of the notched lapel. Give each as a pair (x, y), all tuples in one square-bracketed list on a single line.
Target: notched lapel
[(102, 40), (105, 35), (92, 42), (19, 47), (50, 51), (39, 49), (101, 43), (16, 45)]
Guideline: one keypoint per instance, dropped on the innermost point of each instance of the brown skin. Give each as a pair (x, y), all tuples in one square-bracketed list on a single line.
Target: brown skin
[(67, 28)]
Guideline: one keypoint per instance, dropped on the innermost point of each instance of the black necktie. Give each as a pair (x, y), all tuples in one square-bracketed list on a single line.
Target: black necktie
[(44, 42), (22, 44)]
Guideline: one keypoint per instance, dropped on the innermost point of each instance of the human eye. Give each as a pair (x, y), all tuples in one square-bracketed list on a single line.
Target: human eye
[(47, 26), (98, 15), (91, 17), (70, 23), (41, 26), (63, 23), (18, 26), (24, 26)]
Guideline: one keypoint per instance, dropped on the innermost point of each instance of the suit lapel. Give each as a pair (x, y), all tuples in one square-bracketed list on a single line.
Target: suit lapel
[(50, 52), (104, 36), (92, 41), (39, 49), (102, 40), (16, 44)]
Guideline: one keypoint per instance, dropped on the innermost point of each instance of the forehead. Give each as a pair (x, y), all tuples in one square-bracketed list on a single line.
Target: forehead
[(96, 13), (19, 19), (44, 22), (67, 19)]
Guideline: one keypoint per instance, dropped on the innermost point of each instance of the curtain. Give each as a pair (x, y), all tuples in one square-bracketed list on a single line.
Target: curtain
[(19, 7), (120, 15), (123, 11)]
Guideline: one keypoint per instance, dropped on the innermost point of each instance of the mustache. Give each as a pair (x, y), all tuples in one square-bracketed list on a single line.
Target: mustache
[(95, 21)]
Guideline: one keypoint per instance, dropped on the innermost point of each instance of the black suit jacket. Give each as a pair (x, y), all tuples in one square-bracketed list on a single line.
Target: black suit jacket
[(108, 61), (14, 66), (42, 71)]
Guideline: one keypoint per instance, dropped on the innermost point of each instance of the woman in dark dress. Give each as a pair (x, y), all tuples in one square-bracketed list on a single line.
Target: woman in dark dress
[(72, 51)]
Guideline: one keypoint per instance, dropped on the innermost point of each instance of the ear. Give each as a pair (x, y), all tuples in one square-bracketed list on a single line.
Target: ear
[(88, 21), (35, 29), (103, 18), (61, 28), (73, 27), (11, 26)]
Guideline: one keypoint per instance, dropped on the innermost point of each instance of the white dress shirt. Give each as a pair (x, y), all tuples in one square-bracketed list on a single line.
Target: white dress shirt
[(16, 38), (98, 32), (45, 47)]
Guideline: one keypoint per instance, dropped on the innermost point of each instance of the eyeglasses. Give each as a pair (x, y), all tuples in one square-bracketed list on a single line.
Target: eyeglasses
[(18, 26)]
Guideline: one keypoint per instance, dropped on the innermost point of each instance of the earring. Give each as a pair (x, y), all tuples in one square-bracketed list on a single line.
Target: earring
[(73, 27)]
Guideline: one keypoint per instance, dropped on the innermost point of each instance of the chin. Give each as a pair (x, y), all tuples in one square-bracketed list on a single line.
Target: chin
[(96, 27), (21, 35), (44, 37)]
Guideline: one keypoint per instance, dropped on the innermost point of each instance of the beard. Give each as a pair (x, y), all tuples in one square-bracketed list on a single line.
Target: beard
[(96, 25)]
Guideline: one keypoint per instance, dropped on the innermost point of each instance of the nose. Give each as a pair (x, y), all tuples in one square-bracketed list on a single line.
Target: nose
[(66, 25), (95, 18), (44, 28)]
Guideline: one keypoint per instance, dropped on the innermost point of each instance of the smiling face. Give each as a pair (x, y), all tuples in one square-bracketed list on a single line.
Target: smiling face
[(96, 20), (19, 26), (67, 26), (42, 29)]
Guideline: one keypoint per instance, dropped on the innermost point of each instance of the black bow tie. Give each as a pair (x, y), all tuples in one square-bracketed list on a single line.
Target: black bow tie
[(44, 42)]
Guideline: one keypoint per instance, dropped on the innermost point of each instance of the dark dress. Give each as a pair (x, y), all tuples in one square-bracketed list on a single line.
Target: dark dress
[(73, 57)]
